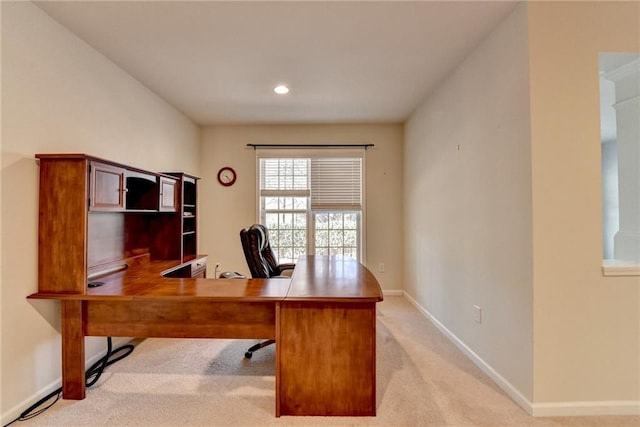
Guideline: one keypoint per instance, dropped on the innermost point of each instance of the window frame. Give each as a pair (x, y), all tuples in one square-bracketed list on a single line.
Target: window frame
[(308, 153)]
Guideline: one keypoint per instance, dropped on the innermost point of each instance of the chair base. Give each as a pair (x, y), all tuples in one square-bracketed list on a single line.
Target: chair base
[(257, 347)]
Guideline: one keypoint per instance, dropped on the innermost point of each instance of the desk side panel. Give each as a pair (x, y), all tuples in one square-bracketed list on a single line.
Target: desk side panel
[(62, 230), (326, 359)]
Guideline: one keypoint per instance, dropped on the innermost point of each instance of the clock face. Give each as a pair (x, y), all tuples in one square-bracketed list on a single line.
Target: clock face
[(226, 176)]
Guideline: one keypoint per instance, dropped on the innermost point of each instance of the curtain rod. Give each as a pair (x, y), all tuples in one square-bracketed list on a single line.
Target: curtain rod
[(365, 146)]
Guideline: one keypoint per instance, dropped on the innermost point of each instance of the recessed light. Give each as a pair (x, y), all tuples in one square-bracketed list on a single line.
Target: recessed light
[(281, 89)]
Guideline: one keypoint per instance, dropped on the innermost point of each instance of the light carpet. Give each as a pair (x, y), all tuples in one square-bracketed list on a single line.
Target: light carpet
[(422, 380)]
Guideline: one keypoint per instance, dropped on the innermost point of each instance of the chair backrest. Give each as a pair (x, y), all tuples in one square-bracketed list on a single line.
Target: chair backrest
[(267, 252), (257, 250)]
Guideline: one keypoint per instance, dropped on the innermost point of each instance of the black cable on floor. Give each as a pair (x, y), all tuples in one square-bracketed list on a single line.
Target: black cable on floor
[(91, 377)]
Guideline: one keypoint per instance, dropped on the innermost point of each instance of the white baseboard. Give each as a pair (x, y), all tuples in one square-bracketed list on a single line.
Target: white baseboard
[(392, 292), (15, 412), (505, 385), (554, 409), (549, 409)]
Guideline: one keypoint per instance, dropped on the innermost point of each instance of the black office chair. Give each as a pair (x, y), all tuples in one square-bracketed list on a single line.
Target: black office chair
[(262, 263), (261, 260)]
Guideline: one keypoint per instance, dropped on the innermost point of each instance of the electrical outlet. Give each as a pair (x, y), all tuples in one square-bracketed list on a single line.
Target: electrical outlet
[(381, 267), (217, 268), (477, 314)]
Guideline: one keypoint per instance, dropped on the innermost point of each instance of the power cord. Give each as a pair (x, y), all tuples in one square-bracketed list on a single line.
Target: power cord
[(91, 377)]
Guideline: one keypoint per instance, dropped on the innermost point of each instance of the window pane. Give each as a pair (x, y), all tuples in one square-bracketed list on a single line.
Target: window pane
[(300, 238), (352, 252), (274, 238), (350, 221), (271, 221), (340, 233), (271, 182), (300, 203), (322, 221), (286, 254), (335, 221), (271, 203), (285, 203), (286, 221), (350, 238), (300, 182), (300, 222), (285, 238), (335, 238), (322, 239), (301, 250)]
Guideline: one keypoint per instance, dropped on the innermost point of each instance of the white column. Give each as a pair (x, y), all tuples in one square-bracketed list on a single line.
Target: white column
[(627, 83)]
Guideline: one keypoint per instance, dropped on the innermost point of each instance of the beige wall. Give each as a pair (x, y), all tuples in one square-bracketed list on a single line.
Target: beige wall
[(226, 210), (468, 204), (547, 288), (587, 327), (59, 95)]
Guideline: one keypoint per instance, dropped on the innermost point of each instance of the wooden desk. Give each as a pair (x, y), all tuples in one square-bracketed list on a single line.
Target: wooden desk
[(323, 321)]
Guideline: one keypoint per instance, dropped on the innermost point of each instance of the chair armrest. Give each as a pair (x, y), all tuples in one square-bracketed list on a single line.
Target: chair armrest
[(288, 266), (286, 270)]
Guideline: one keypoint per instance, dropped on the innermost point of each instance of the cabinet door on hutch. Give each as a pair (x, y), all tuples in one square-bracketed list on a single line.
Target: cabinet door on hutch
[(107, 187), (168, 194)]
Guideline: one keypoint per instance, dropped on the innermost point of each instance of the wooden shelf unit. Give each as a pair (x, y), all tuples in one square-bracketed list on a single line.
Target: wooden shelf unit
[(189, 185), (175, 236), (95, 214)]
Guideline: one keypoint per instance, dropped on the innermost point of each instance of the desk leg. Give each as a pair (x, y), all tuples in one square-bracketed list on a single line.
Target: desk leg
[(277, 360), (73, 382), (326, 359)]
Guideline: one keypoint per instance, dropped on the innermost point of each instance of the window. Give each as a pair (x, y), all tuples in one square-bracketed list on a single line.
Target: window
[(312, 202), (620, 130)]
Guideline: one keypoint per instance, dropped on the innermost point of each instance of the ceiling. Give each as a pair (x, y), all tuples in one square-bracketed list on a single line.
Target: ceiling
[(345, 62)]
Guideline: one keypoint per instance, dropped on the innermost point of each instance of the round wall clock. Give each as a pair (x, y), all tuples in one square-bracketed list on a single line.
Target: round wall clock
[(226, 176)]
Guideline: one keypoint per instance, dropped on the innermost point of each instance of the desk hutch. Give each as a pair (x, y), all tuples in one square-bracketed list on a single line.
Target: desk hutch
[(98, 216)]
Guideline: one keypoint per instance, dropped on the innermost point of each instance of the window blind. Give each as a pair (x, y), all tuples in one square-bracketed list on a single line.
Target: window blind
[(336, 183), (284, 176)]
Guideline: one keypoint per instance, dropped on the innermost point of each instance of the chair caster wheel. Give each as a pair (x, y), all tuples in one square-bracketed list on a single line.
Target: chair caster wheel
[(248, 355)]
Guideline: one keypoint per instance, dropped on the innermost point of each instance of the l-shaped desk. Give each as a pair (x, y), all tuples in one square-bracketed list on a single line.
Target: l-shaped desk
[(323, 320)]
